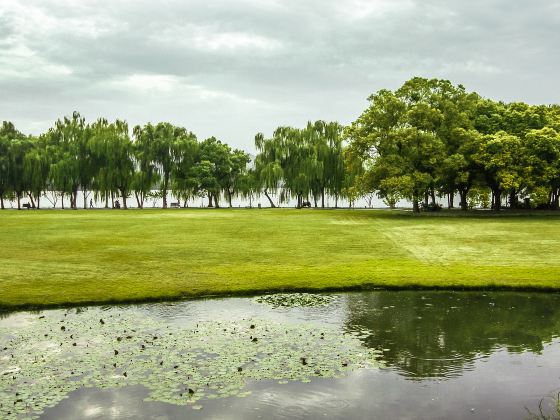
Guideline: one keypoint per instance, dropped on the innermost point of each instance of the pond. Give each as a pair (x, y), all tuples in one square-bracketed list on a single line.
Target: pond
[(378, 354)]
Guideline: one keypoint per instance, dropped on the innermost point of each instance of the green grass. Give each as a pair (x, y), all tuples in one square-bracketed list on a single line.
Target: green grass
[(70, 257)]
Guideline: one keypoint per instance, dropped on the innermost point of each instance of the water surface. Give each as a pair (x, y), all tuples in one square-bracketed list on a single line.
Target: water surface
[(381, 354)]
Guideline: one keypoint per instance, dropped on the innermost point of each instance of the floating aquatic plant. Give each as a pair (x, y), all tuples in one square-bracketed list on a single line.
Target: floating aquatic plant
[(291, 300), (40, 364)]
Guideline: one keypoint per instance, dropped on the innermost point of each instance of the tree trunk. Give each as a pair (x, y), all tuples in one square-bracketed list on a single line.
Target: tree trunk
[(38, 199), (216, 201), (336, 201), (165, 184), (463, 194), (496, 199), (123, 195), (138, 202), (415, 205), (269, 199), (229, 197), (62, 197), (85, 198), (433, 196), (315, 201), (2, 201), (513, 202), (323, 198), (210, 204), (18, 201), (30, 196), (451, 199)]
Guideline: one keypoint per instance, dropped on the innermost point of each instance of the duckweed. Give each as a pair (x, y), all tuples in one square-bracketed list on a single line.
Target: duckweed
[(41, 363), (291, 300)]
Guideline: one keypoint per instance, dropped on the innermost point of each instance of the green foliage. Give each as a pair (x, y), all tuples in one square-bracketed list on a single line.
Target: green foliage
[(427, 139), (430, 136), (303, 163)]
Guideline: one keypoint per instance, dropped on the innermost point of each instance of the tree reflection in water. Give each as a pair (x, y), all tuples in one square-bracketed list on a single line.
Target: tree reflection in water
[(439, 334)]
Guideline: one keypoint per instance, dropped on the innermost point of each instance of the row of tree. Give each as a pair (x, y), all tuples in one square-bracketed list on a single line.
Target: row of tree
[(427, 139), (431, 138), (102, 159)]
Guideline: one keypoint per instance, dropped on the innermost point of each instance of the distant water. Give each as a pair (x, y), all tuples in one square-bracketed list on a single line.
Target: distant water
[(48, 201)]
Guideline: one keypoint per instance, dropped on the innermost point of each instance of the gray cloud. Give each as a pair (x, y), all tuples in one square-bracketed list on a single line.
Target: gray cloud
[(232, 69)]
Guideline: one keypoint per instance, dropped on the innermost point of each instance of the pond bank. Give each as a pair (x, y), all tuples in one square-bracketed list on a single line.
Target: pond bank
[(5, 310)]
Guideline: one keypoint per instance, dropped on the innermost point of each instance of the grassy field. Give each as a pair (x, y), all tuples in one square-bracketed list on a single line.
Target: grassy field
[(68, 257)]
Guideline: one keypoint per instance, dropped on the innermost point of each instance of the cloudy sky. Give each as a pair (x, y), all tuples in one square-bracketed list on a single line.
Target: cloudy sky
[(234, 68)]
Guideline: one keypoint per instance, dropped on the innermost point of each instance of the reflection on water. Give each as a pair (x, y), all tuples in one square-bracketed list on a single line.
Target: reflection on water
[(439, 334), (446, 355)]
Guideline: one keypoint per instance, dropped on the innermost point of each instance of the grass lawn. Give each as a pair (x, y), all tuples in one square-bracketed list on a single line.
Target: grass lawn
[(52, 257)]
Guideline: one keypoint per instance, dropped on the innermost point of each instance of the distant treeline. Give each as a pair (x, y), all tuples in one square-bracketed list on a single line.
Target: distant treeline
[(425, 140)]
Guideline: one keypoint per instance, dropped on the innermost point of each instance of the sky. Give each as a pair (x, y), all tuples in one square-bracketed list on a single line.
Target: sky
[(231, 69)]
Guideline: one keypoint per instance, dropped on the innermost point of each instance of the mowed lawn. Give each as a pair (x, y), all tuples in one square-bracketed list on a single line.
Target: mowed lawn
[(53, 257)]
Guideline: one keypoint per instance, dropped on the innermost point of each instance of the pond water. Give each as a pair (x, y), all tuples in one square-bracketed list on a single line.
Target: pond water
[(378, 354)]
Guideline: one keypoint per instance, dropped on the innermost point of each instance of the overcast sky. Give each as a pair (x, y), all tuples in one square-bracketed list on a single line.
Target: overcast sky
[(234, 68)]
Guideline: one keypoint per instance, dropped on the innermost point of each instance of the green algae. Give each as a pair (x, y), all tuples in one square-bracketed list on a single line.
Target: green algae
[(41, 363)]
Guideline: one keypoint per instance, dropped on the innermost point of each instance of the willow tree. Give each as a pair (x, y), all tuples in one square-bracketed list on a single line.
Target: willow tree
[(8, 135), (72, 165), (4, 169), (36, 168), (249, 186), (146, 174), (299, 162), (289, 157), (111, 149), (159, 141), (268, 168), (327, 141)]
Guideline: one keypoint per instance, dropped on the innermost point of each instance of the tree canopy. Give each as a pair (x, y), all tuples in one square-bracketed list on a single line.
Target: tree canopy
[(427, 139)]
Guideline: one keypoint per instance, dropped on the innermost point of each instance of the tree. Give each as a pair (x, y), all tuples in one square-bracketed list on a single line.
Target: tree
[(36, 168), (499, 158), (215, 158), (268, 169), (398, 133), (146, 174), (542, 162), (158, 143), (232, 182), (185, 152), (301, 162), (8, 135), (111, 148), (72, 166)]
